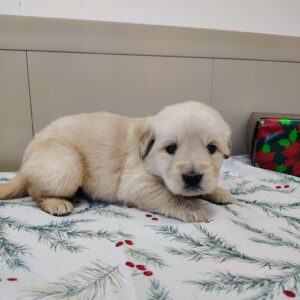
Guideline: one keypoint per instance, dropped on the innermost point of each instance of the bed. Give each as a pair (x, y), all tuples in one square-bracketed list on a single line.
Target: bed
[(248, 250)]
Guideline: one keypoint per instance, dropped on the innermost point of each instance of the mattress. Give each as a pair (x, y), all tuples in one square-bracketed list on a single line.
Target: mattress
[(248, 250)]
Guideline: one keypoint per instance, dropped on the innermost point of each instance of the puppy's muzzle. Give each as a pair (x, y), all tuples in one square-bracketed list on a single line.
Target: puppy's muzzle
[(192, 179)]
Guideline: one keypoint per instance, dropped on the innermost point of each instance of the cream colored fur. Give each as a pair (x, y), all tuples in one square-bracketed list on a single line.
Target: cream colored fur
[(119, 159)]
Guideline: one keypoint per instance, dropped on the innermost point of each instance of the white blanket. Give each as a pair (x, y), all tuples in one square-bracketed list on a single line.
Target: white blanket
[(249, 250)]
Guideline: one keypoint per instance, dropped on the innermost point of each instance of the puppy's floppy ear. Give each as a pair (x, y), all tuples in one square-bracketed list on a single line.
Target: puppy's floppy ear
[(146, 142), (228, 149)]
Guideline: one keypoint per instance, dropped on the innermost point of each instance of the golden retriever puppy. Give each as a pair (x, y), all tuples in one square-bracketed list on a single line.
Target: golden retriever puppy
[(159, 164)]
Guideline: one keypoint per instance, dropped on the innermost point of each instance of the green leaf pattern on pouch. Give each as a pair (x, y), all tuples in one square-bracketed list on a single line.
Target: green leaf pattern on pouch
[(281, 168), (285, 121), (266, 148), (284, 142), (293, 136)]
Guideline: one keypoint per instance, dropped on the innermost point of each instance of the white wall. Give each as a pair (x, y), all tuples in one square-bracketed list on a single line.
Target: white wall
[(262, 16)]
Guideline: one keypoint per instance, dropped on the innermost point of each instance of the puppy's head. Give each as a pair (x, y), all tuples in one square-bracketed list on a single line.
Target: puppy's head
[(185, 145)]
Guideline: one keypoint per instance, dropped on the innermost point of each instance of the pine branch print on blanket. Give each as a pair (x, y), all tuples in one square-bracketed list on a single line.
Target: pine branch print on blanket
[(90, 282), (267, 287), (12, 254), (270, 210), (57, 235), (213, 247), (158, 292), (268, 237)]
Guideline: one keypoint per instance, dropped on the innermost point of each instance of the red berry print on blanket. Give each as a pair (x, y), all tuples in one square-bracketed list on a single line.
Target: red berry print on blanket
[(129, 242), (289, 293), (278, 187), (141, 267), (148, 273), (150, 216), (130, 264), (119, 244), (12, 279)]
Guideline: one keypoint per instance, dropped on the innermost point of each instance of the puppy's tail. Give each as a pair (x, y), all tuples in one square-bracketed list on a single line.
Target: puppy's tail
[(16, 188)]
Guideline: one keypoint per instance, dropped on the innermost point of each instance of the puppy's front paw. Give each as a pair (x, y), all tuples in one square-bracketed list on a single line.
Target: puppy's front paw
[(221, 196), (190, 216), (56, 206)]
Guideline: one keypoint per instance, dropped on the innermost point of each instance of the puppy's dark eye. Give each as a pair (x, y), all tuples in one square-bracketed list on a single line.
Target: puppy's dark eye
[(211, 148), (171, 149)]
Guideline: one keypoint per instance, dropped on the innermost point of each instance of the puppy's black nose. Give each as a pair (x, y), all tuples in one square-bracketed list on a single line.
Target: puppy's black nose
[(192, 178)]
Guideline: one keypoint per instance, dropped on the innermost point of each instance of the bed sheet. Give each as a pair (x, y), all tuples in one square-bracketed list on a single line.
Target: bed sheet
[(248, 250)]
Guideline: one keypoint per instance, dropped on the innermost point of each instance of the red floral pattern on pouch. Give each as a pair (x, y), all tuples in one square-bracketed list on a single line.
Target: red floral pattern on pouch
[(265, 161), (293, 157), (277, 145), (269, 127)]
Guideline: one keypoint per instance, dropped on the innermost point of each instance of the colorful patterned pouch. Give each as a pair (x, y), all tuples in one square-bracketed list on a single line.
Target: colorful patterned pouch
[(276, 145)]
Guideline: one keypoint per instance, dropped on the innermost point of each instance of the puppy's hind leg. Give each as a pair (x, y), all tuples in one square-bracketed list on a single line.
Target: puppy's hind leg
[(53, 173)]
